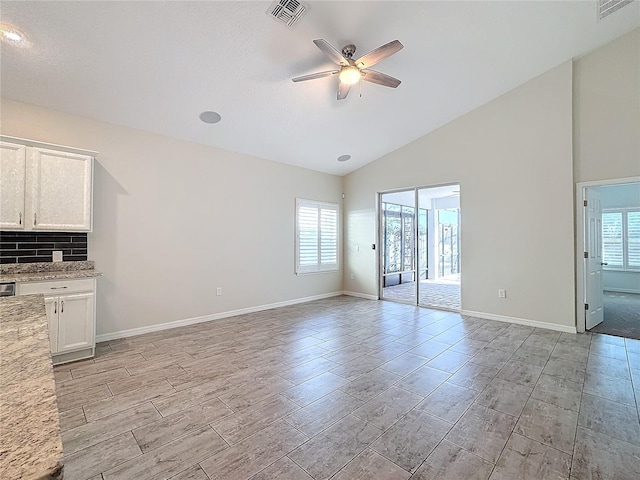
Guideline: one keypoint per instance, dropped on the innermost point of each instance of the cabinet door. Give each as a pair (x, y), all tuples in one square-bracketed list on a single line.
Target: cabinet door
[(61, 191), (12, 186), (75, 322), (51, 306)]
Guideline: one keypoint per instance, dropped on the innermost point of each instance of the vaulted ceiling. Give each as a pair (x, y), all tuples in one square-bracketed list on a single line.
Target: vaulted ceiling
[(157, 65)]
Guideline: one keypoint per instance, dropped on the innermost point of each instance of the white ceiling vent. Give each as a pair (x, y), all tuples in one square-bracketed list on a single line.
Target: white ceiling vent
[(287, 11), (607, 7)]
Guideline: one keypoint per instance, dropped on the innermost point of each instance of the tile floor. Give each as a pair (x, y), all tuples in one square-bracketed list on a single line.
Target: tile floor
[(346, 388)]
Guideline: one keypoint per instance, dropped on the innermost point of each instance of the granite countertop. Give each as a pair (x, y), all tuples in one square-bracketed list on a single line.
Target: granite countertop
[(35, 272), (30, 444)]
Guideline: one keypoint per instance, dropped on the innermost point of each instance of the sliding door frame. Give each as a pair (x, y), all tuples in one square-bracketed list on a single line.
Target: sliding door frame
[(380, 241), (416, 253)]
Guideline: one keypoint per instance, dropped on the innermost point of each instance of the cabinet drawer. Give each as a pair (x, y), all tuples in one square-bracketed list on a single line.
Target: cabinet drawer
[(57, 287)]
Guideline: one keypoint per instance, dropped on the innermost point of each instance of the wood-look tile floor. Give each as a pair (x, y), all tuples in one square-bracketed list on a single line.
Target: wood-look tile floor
[(346, 388)]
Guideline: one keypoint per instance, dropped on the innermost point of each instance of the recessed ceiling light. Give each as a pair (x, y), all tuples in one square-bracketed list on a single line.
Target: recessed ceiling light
[(344, 158), (12, 35), (210, 117)]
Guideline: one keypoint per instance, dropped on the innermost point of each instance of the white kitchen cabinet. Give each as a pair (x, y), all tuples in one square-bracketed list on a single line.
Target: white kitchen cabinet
[(12, 185), (61, 186), (70, 307), (75, 322), (51, 306), (51, 190)]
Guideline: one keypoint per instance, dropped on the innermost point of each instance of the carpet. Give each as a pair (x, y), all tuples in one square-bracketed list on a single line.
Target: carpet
[(621, 315)]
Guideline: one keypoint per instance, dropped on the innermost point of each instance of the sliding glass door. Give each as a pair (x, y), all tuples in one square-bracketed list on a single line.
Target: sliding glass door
[(419, 231), (398, 233)]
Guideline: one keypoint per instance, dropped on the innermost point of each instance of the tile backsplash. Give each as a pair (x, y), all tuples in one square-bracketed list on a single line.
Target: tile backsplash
[(29, 247)]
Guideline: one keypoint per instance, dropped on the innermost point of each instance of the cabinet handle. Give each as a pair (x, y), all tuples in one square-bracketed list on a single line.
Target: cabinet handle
[(35, 218), (58, 288), (20, 215), (55, 307), (62, 306)]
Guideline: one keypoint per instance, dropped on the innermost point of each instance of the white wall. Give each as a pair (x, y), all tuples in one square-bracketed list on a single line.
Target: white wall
[(607, 111), (513, 160), (627, 282), (606, 118), (626, 195), (174, 220)]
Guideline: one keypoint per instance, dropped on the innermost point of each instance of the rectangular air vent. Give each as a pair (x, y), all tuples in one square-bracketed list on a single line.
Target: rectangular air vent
[(607, 7), (287, 11)]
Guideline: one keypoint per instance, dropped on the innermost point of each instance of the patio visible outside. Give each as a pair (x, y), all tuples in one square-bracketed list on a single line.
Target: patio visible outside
[(439, 293), (420, 231)]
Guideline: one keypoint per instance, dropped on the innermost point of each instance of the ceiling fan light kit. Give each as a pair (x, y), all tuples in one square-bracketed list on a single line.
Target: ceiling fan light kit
[(349, 75), (352, 71), (11, 35)]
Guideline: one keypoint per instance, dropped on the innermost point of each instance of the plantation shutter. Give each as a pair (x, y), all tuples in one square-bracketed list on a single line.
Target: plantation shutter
[(633, 239), (612, 245), (316, 236)]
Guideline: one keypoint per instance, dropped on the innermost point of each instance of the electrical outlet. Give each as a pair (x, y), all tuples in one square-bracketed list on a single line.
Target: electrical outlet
[(502, 293), (353, 276), (57, 255), (219, 291)]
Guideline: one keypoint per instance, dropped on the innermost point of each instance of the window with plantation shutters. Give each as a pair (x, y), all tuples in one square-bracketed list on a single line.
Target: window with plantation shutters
[(612, 248), (633, 239), (316, 236), (621, 239)]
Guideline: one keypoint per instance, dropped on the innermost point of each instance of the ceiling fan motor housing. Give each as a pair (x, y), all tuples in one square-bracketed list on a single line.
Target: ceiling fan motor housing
[(349, 50)]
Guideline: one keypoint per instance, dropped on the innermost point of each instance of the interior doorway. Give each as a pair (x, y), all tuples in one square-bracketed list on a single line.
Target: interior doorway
[(419, 231), (612, 231)]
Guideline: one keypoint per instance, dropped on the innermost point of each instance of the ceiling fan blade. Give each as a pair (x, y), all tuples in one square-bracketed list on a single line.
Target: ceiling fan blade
[(379, 54), (313, 76), (380, 78), (343, 90), (331, 52)]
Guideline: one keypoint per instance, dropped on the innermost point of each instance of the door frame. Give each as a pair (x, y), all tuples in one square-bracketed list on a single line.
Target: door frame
[(379, 239), (581, 240)]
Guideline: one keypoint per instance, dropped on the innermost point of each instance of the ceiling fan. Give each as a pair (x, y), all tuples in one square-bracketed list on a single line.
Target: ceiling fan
[(352, 71)]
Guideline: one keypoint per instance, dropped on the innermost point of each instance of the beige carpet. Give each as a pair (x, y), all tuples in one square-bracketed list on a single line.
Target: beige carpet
[(621, 315)]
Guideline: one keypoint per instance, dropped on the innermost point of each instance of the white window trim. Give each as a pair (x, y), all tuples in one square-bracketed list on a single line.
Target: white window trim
[(625, 247), (318, 268)]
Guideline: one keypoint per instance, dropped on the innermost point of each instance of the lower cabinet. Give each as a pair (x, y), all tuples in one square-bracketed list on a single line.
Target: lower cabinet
[(70, 306)]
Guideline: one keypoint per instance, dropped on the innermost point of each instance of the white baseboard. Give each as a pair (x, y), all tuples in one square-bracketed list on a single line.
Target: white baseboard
[(622, 290), (105, 337), (360, 295), (520, 321)]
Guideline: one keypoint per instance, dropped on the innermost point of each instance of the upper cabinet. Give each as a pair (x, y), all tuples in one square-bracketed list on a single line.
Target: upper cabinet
[(61, 187), (46, 188), (13, 170)]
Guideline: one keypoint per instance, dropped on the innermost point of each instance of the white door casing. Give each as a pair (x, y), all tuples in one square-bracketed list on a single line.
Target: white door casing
[(594, 295)]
